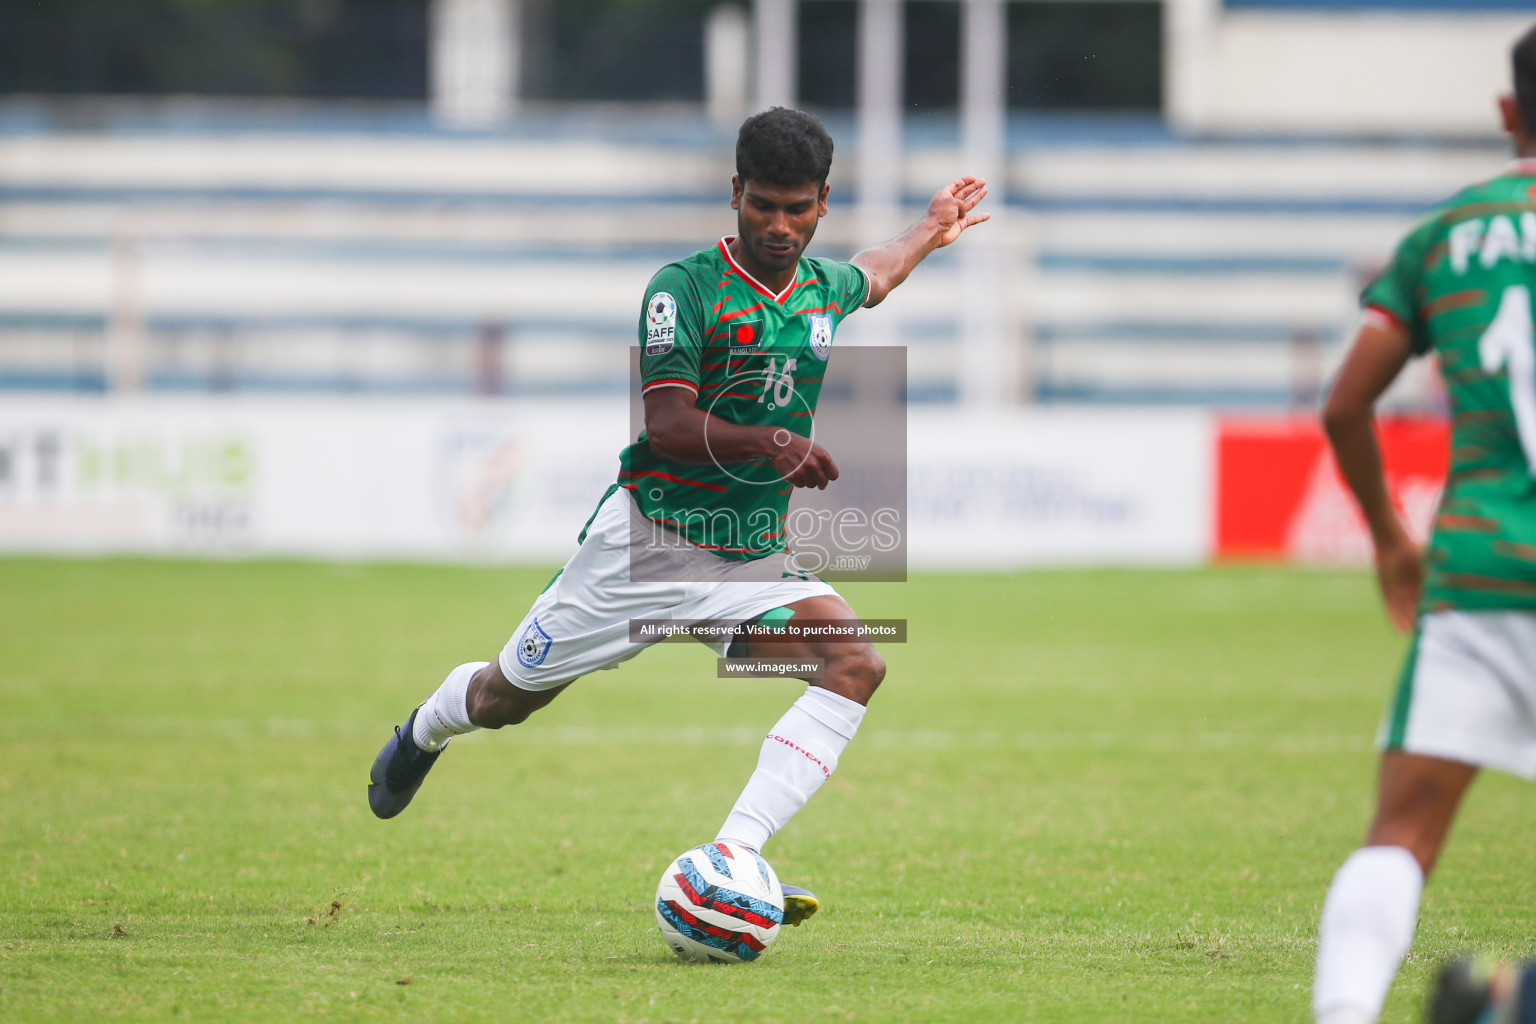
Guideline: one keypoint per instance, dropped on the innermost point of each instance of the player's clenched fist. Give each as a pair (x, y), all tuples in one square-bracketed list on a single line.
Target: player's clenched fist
[(801, 461)]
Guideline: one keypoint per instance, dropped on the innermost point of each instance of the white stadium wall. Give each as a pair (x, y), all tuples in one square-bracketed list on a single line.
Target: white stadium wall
[(513, 481), (1374, 72)]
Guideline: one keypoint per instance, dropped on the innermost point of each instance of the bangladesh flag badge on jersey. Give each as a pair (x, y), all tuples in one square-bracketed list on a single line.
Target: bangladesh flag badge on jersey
[(745, 336)]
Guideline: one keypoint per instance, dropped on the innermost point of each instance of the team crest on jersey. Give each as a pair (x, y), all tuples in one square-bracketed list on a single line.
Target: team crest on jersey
[(660, 324), (821, 334), (533, 646)]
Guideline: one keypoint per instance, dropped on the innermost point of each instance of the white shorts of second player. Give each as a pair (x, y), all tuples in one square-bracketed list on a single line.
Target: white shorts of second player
[(1468, 691), (581, 622)]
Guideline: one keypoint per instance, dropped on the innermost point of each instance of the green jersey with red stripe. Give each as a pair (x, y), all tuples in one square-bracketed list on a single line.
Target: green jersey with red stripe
[(1461, 285), (750, 356)]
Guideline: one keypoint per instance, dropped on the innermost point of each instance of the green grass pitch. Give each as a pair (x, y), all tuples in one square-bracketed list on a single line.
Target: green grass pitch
[(1080, 796)]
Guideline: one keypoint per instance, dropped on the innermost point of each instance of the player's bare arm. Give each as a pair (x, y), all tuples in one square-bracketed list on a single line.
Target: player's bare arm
[(1380, 350), (950, 212), (683, 433)]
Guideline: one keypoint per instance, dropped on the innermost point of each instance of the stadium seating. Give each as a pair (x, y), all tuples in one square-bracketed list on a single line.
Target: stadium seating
[(251, 254)]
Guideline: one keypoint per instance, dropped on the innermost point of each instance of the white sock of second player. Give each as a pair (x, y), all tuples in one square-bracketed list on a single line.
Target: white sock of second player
[(1367, 927)]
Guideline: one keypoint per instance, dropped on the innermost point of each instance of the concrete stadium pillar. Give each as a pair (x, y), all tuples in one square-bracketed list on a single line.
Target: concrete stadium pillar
[(987, 367), (881, 50), (727, 64), (474, 60), (775, 24), (1189, 34)]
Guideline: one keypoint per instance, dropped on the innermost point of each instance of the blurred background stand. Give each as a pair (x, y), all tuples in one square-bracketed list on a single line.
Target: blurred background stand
[(396, 247), (296, 196)]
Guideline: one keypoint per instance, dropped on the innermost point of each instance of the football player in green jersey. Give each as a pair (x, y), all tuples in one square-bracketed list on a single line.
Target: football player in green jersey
[(734, 340), (1459, 286)]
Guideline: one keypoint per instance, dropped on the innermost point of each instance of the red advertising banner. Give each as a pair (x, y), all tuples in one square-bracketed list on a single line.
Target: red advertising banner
[(1279, 493)]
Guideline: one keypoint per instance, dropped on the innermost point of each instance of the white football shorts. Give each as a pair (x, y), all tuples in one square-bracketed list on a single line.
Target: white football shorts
[(581, 622), (1468, 691)]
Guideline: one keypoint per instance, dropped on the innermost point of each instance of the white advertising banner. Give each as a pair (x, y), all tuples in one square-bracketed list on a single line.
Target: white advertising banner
[(1059, 487), (514, 480), (339, 477)]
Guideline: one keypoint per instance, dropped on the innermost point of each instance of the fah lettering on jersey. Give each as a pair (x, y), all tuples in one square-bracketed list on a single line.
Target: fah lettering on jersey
[(1491, 239)]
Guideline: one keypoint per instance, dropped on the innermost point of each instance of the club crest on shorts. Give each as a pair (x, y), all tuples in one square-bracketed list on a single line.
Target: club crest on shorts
[(821, 334), (660, 324), (533, 646)]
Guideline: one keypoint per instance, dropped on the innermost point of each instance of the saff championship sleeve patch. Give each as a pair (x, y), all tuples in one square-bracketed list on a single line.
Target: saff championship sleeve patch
[(660, 324)]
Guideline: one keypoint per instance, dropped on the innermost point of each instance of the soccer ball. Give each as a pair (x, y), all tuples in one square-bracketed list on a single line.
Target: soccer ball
[(719, 903)]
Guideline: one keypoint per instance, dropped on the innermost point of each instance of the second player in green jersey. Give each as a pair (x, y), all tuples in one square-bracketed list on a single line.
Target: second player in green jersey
[(1460, 287)]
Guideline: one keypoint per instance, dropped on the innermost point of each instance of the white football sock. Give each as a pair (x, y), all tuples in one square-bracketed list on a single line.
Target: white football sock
[(1368, 922), (445, 714), (800, 753), (1346, 1015)]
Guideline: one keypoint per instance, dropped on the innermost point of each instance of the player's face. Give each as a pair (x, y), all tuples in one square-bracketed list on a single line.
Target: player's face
[(775, 222)]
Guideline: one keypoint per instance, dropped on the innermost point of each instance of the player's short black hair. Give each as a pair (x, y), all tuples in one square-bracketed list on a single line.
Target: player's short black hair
[(1525, 78), (783, 147)]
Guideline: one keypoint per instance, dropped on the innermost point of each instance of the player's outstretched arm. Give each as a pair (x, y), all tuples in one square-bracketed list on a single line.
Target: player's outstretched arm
[(950, 212), (1378, 354), (680, 432)]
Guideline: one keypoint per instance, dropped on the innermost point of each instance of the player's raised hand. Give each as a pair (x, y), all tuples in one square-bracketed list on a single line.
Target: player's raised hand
[(951, 210), (953, 207), (1400, 573)]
